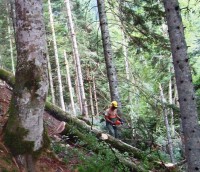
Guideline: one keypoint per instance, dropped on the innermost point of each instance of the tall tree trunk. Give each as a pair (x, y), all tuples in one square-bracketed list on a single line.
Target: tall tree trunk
[(170, 144), (78, 94), (62, 104), (89, 79), (10, 39), (51, 80), (171, 102), (186, 94), (125, 54), (13, 15), (175, 98), (24, 130), (95, 96), (108, 54), (69, 84), (77, 58), (1, 62)]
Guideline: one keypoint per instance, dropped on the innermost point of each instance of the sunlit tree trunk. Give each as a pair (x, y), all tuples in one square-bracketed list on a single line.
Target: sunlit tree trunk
[(171, 102), (170, 144), (186, 94), (24, 131), (10, 40), (62, 104), (69, 83), (13, 15), (108, 54), (89, 79), (1, 62), (51, 80), (78, 95), (95, 96), (175, 98), (77, 58), (125, 54)]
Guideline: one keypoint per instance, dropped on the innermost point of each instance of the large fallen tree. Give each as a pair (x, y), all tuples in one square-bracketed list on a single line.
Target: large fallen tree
[(80, 126), (60, 115)]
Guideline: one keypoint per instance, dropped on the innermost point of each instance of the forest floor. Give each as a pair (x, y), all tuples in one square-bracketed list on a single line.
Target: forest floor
[(49, 161)]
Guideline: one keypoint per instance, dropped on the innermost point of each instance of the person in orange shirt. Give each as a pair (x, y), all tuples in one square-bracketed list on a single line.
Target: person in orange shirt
[(112, 119)]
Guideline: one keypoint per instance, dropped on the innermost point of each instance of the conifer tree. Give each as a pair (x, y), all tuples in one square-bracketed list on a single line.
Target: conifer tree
[(187, 101), (108, 54)]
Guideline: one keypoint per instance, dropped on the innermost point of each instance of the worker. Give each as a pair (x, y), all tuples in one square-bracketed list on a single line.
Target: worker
[(112, 119)]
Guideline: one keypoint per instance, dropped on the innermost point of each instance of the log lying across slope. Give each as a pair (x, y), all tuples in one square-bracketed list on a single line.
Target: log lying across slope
[(57, 113), (115, 143)]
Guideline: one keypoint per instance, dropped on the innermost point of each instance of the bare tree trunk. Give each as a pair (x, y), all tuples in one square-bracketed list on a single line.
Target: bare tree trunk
[(78, 64), (170, 144), (125, 53), (186, 94), (24, 130), (175, 99), (108, 54), (62, 104), (10, 40), (13, 15), (89, 78), (1, 62), (78, 94), (69, 83), (51, 80), (171, 102), (95, 96)]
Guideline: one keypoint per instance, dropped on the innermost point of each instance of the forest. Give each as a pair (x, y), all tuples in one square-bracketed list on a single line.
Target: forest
[(71, 69)]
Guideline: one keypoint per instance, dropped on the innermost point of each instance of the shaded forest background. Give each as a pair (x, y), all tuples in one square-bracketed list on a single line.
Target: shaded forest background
[(142, 57)]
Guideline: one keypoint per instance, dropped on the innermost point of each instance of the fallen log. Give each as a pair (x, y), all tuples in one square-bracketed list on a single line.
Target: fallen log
[(57, 113), (60, 115), (82, 136)]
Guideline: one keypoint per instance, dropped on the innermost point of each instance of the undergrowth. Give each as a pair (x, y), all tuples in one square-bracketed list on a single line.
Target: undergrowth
[(96, 156)]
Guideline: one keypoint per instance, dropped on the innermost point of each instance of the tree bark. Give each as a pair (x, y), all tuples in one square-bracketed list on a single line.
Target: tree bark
[(186, 94), (77, 59), (171, 102), (10, 40), (95, 96), (51, 80), (169, 139), (1, 62), (108, 54), (24, 130), (89, 78), (69, 83), (60, 87)]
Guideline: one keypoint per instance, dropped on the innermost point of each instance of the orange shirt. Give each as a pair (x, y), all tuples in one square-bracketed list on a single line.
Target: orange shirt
[(110, 113)]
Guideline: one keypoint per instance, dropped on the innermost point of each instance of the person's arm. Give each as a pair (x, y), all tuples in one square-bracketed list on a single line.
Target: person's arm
[(119, 117)]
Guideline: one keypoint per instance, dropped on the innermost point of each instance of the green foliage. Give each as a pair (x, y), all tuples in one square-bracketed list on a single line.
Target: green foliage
[(102, 160), (100, 163), (57, 148), (148, 56)]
